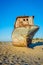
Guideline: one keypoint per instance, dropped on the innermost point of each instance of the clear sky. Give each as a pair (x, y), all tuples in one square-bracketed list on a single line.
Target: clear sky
[(10, 9)]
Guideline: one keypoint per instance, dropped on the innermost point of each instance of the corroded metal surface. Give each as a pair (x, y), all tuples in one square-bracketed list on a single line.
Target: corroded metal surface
[(22, 34)]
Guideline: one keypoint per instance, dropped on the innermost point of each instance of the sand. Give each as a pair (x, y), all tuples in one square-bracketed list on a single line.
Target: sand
[(11, 55)]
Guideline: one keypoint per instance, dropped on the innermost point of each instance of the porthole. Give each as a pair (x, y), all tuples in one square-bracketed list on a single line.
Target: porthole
[(23, 19), (26, 19)]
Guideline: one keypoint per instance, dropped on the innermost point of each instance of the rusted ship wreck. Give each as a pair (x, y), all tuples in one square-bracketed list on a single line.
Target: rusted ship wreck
[(24, 31)]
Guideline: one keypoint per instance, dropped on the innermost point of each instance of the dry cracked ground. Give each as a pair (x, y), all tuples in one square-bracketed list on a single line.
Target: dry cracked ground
[(11, 55)]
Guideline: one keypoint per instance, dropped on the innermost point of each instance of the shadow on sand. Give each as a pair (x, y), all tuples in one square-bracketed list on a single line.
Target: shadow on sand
[(35, 44)]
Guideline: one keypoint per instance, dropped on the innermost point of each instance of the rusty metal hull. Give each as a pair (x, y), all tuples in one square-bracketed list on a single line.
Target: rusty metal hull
[(23, 36)]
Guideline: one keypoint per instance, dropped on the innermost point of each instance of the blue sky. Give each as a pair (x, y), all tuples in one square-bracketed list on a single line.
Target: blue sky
[(10, 9)]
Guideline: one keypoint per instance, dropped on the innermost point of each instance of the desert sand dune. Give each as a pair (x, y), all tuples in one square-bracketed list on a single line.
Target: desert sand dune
[(10, 55)]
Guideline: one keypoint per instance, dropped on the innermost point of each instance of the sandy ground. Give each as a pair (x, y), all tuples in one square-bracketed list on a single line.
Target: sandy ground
[(10, 55)]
